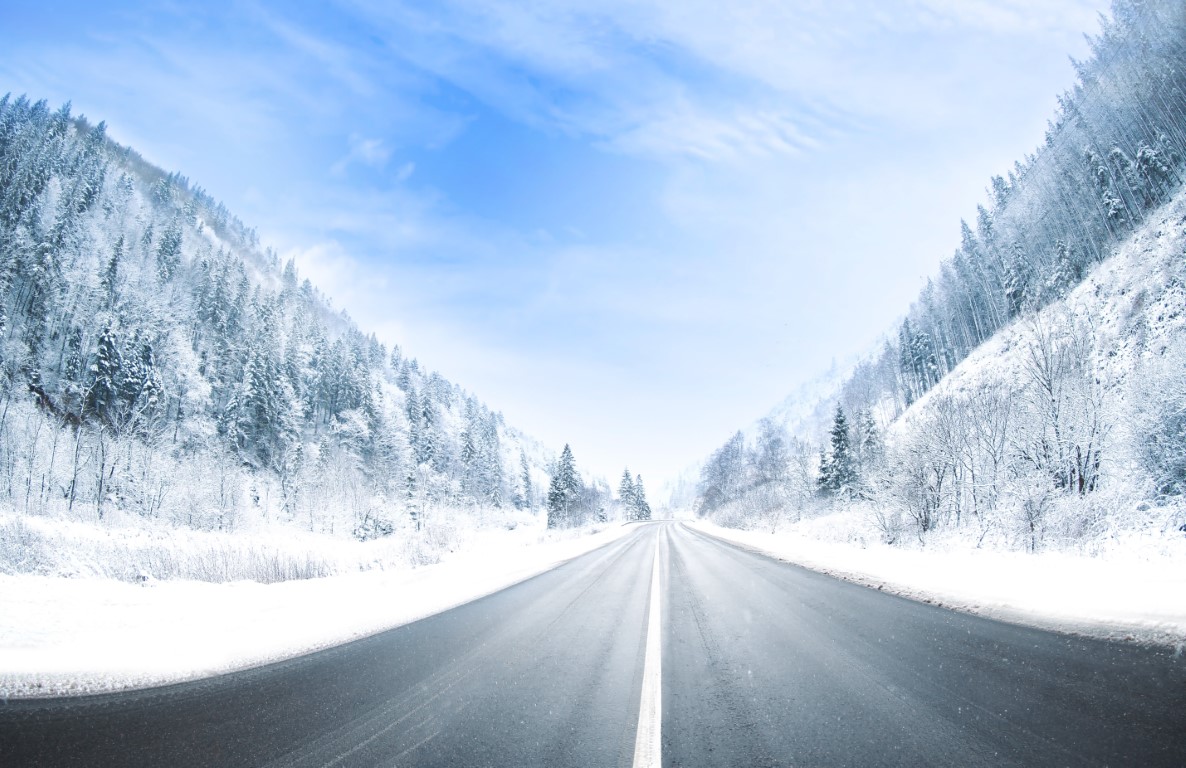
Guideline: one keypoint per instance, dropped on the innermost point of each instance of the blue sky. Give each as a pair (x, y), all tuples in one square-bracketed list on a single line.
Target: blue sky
[(631, 226)]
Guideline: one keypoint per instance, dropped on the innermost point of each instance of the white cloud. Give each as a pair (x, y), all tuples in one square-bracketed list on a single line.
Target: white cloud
[(715, 81), (1014, 17), (405, 172), (363, 151), (340, 62), (682, 129)]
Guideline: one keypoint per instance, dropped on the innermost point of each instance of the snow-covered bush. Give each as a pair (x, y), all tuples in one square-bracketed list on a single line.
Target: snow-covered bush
[(1158, 418)]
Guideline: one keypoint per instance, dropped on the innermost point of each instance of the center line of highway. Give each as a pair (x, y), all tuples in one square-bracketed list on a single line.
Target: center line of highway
[(648, 744)]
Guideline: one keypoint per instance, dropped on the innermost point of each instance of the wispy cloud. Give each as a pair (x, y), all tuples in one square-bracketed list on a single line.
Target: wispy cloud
[(682, 130), (707, 80), (405, 172), (1012, 17), (368, 152), (343, 64), (608, 72)]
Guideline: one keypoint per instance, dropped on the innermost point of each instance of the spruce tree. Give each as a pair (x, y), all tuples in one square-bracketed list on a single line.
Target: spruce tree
[(168, 255), (824, 481), (642, 510), (525, 479), (840, 475), (109, 281), (564, 491), (870, 448), (626, 494), (103, 391)]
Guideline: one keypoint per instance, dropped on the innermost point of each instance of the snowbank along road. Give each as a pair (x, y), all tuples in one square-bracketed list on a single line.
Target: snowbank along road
[(666, 647)]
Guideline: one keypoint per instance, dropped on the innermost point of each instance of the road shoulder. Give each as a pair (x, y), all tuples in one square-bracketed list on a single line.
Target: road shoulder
[(68, 637), (1135, 600)]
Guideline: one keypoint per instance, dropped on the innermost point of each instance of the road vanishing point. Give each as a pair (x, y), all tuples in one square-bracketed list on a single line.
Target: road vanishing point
[(666, 647)]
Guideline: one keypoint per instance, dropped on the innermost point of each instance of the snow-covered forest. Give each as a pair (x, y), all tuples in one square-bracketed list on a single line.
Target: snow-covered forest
[(1034, 395), (166, 380)]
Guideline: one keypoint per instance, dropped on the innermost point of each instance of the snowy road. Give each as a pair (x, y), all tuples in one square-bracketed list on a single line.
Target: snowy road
[(760, 663)]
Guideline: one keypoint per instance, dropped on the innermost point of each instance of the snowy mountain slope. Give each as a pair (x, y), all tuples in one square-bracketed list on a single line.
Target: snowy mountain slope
[(1132, 306), (807, 409), (982, 501), (1098, 373), (159, 370), (1063, 430), (1033, 394)]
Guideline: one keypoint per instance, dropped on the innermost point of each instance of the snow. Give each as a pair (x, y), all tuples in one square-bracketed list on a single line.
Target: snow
[(1108, 563), (1133, 593), (70, 636), (1132, 303)]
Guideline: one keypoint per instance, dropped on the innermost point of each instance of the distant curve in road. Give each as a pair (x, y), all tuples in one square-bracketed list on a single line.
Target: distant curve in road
[(762, 664)]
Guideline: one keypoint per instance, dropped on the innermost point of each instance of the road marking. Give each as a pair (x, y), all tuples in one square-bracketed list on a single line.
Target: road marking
[(648, 744)]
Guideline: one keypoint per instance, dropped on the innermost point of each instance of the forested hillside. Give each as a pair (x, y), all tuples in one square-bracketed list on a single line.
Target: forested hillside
[(1072, 275), (159, 368)]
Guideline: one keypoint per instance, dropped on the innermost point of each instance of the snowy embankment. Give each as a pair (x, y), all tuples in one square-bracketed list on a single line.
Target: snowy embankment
[(68, 636), (1130, 597)]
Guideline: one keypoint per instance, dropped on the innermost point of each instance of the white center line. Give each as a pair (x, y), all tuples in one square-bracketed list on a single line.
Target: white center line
[(648, 744)]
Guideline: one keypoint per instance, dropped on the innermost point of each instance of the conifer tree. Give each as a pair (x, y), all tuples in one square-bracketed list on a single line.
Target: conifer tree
[(525, 479), (642, 510), (110, 280), (626, 494), (103, 392), (839, 475), (564, 491), (168, 255)]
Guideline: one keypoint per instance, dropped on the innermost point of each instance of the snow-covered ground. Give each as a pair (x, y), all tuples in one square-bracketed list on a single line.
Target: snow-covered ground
[(1130, 595), (65, 636)]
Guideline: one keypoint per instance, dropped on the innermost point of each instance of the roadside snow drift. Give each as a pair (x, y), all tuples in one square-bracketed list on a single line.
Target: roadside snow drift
[(1120, 597), (62, 636)]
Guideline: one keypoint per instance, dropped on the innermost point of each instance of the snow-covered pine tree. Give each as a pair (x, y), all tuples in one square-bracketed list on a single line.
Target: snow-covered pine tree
[(103, 391), (526, 493), (564, 492), (626, 496), (840, 476), (824, 479), (490, 473), (642, 510)]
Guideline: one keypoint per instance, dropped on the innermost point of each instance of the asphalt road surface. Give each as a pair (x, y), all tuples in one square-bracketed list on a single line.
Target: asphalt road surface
[(758, 663)]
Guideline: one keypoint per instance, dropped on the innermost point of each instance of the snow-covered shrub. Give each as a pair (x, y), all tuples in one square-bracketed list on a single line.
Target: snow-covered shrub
[(1157, 400), (22, 549), (888, 520), (920, 475), (372, 527), (731, 515), (1030, 497)]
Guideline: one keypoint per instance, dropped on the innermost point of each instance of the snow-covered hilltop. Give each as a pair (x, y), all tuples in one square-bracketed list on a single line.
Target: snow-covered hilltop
[(1034, 397), (178, 403)]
